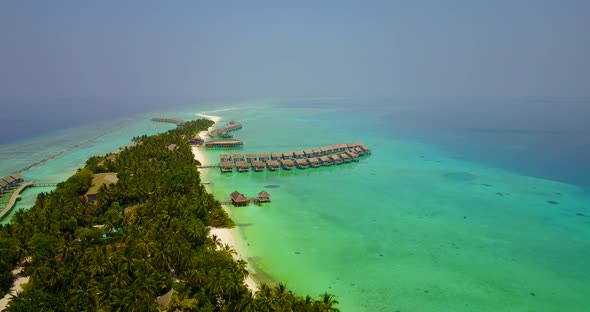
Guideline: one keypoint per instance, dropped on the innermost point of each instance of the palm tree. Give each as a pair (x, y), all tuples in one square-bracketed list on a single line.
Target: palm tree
[(327, 303)]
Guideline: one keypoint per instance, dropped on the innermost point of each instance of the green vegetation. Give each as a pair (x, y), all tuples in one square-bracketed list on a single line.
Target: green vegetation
[(142, 237)]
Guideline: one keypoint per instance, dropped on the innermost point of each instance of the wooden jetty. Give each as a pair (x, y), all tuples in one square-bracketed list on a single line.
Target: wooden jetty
[(223, 132), (15, 196), (178, 122)]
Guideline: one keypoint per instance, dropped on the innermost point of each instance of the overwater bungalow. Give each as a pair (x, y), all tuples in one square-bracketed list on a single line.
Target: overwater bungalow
[(226, 166), (258, 165), (359, 151), (366, 149), (224, 144), (298, 154), (263, 197), (224, 158), (288, 155), (321, 151), (308, 153), (287, 164), (276, 156), (342, 147), (237, 157), (272, 165), (251, 157), (345, 157), (326, 161), (336, 158), (314, 162), (238, 199), (263, 157), (301, 163), (243, 166)]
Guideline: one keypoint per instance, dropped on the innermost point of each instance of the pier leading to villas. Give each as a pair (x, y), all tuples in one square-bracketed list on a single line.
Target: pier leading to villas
[(223, 132), (312, 158), (178, 122)]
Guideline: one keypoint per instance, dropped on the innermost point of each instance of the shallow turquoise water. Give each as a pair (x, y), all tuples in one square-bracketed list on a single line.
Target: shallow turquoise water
[(413, 227), (409, 228)]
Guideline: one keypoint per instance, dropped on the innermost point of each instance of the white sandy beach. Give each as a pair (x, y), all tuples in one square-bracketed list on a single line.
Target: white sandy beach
[(17, 287), (227, 236)]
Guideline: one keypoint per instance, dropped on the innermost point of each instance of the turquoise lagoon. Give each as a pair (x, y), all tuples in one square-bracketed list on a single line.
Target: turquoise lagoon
[(419, 225)]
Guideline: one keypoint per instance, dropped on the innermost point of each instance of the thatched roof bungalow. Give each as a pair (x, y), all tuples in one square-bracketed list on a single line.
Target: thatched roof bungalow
[(263, 157), (272, 165), (326, 161), (243, 166), (309, 153), (18, 178), (238, 199), (336, 158), (258, 165), (263, 197), (287, 164), (3, 186), (345, 157), (226, 166), (287, 155), (276, 156), (298, 154), (301, 163), (314, 162), (251, 157), (98, 180), (224, 157), (237, 157)]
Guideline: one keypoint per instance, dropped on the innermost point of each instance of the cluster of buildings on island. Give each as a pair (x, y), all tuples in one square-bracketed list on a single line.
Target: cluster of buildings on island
[(312, 158), (10, 181)]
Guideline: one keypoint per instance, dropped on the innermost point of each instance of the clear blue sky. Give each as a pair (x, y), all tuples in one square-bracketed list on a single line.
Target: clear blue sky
[(295, 48)]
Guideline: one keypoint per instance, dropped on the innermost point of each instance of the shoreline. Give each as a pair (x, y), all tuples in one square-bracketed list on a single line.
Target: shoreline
[(228, 236)]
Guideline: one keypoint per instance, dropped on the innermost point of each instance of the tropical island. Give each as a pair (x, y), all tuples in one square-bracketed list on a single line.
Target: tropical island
[(130, 232)]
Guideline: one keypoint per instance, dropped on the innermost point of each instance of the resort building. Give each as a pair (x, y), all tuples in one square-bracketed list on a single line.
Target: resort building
[(237, 157), (309, 153), (243, 166), (288, 155), (263, 157), (251, 157), (272, 165), (239, 199), (224, 158), (226, 166), (17, 177), (345, 157), (98, 181), (258, 165), (354, 156), (263, 197), (276, 156), (10, 180)]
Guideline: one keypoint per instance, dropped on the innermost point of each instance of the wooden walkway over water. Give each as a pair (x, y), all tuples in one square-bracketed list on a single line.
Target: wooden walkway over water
[(176, 121), (16, 194)]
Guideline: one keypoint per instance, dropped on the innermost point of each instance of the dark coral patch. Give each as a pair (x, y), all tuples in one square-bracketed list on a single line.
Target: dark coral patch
[(271, 186), (500, 194), (579, 214), (460, 176), (552, 202)]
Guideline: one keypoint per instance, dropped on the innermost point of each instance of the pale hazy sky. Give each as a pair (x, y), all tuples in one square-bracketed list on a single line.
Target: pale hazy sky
[(295, 48)]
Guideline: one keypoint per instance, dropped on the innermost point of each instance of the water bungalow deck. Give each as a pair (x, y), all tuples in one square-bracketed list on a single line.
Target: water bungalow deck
[(243, 166), (301, 163), (272, 165), (287, 164), (178, 122), (237, 157), (224, 144)]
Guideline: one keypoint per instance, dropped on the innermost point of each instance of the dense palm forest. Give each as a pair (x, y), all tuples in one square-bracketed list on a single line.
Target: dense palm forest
[(142, 237)]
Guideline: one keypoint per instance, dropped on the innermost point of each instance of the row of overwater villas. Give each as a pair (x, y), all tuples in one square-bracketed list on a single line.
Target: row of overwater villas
[(328, 156), (223, 131), (10, 181)]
